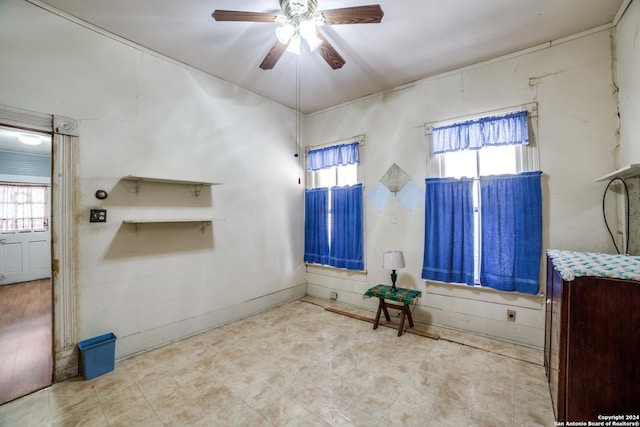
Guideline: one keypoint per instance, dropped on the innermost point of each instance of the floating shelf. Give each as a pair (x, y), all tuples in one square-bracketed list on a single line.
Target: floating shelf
[(196, 184), (628, 171), (204, 222)]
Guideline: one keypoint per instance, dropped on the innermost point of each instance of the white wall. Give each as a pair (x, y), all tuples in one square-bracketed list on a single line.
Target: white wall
[(571, 81), (628, 70), (145, 115), (142, 114)]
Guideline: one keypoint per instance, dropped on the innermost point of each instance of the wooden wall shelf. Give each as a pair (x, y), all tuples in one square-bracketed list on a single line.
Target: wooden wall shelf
[(629, 171), (204, 222), (197, 185)]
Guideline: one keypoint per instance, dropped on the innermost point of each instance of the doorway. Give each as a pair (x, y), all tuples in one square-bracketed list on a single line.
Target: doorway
[(26, 360)]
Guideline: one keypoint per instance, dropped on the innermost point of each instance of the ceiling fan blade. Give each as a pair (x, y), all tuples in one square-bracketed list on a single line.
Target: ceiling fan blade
[(236, 15), (273, 56), (370, 14), (329, 54)]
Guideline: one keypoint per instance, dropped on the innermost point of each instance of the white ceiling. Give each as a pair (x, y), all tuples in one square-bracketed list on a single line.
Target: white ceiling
[(416, 39)]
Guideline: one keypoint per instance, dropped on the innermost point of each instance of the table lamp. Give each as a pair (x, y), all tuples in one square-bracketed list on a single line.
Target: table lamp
[(393, 260)]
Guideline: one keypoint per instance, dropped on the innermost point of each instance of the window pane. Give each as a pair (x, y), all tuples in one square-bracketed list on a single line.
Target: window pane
[(459, 164), (23, 208), (325, 177), (347, 175), (498, 160)]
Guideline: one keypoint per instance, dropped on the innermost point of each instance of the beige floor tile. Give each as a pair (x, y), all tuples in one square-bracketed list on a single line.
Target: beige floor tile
[(335, 412), (280, 409), (534, 406), (532, 355), (424, 382), (172, 356), (159, 388), (300, 365), (66, 405), (133, 411), (232, 410), (491, 345), (420, 399), (443, 411), (117, 390), (178, 410), (405, 414), (250, 418), (142, 367), (306, 419), (215, 398), (91, 417)]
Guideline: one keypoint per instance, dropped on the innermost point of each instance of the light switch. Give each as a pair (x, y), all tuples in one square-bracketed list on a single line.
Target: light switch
[(98, 215)]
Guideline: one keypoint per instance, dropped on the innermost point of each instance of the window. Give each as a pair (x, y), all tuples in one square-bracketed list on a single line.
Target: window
[(483, 214), (23, 208), (473, 164), (333, 208), (341, 175)]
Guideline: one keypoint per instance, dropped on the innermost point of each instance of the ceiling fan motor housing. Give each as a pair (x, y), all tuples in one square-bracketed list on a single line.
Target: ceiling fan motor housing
[(291, 10)]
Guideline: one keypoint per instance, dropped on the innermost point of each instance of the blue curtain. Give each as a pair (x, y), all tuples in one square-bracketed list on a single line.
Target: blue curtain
[(511, 212), (316, 236), (448, 231), (335, 155), (485, 132), (346, 249)]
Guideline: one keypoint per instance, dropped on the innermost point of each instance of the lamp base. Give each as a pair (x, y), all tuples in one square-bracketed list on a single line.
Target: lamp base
[(394, 276)]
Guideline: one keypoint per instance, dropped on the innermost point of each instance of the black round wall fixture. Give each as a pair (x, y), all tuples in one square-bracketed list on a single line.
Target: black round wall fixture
[(101, 194)]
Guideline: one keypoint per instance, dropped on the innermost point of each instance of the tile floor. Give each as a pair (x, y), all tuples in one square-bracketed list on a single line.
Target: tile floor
[(300, 365)]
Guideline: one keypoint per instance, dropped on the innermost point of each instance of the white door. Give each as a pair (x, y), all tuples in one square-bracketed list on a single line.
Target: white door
[(25, 179), (24, 257)]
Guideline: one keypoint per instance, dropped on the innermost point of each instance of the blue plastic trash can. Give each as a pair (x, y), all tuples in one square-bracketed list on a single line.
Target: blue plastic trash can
[(97, 355)]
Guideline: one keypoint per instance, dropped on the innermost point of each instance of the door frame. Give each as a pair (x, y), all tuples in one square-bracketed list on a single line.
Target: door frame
[(63, 231)]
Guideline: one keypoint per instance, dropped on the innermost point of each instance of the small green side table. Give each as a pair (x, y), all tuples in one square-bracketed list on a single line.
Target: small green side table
[(402, 295)]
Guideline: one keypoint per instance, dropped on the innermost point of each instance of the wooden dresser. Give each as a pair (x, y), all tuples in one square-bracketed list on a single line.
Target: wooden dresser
[(592, 345)]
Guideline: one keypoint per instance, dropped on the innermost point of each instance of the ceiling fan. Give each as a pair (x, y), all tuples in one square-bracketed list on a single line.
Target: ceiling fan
[(300, 20)]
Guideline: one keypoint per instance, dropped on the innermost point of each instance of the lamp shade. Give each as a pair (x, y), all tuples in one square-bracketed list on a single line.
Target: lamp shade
[(308, 32), (284, 33), (294, 45), (393, 260), (314, 42)]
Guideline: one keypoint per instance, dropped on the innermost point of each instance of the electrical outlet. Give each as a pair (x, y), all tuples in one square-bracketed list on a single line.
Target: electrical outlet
[(333, 296), (511, 315)]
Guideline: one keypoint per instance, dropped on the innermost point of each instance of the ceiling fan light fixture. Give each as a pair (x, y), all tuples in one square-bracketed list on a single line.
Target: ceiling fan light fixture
[(294, 45), (29, 139), (313, 41), (308, 32), (294, 17), (307, 29), (284, 33)]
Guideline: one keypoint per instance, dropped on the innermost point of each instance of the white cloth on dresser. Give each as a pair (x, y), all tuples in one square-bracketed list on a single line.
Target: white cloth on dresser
[(572, 264)]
